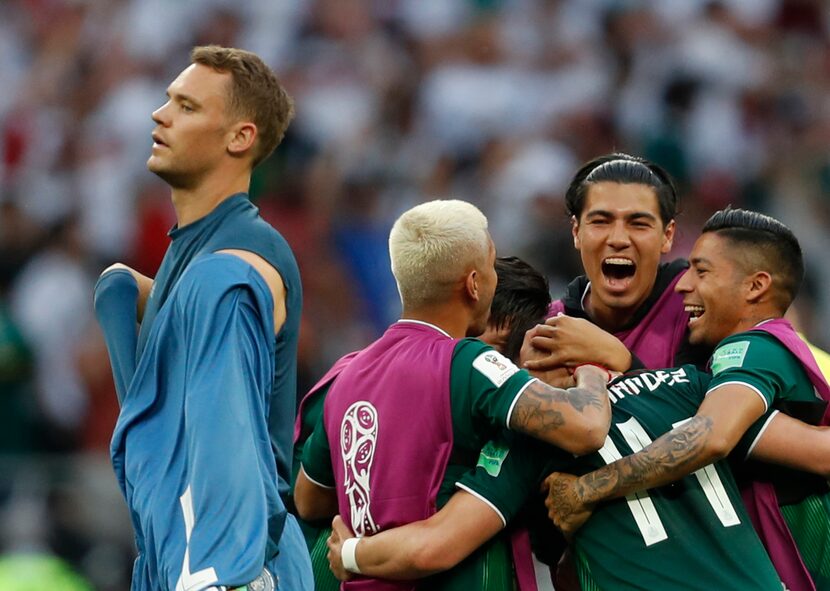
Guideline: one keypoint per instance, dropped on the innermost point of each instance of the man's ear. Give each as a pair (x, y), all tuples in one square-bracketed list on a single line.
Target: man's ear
[(668, 237), (575, 231), (758, 286), (471, 286), (243, 137)]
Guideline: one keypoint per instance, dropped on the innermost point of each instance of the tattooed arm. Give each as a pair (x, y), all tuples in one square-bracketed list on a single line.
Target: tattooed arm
[(726, 413), (576, 419)]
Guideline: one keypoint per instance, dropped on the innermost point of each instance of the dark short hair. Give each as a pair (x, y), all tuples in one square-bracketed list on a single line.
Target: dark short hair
[(766, 245), (255, 93), (521, 301), (625, 169)]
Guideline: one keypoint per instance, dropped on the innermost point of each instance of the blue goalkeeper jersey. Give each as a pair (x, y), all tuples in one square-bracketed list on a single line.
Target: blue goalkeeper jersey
[(170, 467), (235, 224), (191, 448)]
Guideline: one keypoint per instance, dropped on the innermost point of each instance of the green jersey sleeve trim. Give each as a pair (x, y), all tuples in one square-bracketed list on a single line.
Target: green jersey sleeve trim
[(484, 384), (484, 500), (316, 460), (320, 484), (516, 399), (760, 433), (746, 385)]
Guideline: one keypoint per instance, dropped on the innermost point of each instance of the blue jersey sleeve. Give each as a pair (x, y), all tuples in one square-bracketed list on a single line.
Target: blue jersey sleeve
[(227, 313), (115, 301)]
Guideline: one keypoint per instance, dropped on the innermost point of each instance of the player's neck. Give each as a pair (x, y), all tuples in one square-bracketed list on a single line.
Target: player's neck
[(608, 319), (448, 318), (752, 316), (194, 203)]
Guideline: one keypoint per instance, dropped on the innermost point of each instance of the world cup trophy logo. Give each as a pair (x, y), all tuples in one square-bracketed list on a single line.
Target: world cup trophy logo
[(358, 436)]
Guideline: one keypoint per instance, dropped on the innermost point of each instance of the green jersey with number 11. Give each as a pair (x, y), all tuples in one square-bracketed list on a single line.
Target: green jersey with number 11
[(693, 534)]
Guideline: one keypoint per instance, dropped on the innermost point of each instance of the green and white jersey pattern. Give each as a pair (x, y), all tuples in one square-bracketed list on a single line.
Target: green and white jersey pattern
[(484, 386), (759, 361), (692, 534)]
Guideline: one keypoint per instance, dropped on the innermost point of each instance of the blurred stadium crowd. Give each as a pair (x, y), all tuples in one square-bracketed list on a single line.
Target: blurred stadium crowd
[(493, 101)]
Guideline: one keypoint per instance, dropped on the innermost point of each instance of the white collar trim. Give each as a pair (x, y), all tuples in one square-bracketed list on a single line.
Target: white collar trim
[(421, 322)]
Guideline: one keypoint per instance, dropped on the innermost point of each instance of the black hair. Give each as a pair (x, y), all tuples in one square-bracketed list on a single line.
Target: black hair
[(521, 301), (625, 169), (768, 243)]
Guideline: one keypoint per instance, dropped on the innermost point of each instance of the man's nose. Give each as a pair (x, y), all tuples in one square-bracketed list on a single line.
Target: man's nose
[(618, 236), (684, 285), (159, 116)]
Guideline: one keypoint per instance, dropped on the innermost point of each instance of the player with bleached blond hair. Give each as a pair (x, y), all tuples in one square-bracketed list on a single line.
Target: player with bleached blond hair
[(409, 414)]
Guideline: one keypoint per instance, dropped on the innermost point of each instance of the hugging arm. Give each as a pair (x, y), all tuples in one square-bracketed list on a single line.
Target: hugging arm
[(574, 419)]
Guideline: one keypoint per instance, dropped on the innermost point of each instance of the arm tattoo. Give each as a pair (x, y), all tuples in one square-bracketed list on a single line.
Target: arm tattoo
[(539, 410), (670, 457), (591, 392), (535, 410)]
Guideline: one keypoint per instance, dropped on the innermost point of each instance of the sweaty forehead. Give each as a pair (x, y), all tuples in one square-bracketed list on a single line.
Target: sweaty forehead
[(621, 199)]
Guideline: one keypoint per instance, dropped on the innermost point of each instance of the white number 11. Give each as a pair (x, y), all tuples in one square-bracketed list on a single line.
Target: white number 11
[(642, 507)]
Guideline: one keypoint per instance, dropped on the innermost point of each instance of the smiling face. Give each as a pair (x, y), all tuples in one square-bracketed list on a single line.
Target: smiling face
[(620, 238), (192, 131), (713, 291)]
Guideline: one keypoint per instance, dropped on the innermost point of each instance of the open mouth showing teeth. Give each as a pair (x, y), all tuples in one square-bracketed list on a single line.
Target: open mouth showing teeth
[(618, 268), (694, 311)]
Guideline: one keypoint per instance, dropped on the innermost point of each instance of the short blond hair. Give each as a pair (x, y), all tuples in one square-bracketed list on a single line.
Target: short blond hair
[(433, 245)]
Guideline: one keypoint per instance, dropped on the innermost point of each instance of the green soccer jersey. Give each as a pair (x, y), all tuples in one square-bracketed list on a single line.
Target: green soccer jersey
[(692, 534), (759, 361), (315, 534), (482, 396)]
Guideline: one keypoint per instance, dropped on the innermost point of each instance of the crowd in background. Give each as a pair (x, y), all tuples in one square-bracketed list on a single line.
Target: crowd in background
[(493, 101)]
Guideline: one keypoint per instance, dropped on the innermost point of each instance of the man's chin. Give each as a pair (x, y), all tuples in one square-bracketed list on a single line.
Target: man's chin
[(622, 300), (698, 337), (154, 166), (171, 177)]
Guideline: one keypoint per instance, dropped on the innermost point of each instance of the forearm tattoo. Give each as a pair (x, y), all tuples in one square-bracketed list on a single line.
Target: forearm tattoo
[(670, 457), (540, 409)]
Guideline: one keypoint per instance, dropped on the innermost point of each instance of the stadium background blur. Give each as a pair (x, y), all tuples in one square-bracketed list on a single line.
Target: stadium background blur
[(492, 101)]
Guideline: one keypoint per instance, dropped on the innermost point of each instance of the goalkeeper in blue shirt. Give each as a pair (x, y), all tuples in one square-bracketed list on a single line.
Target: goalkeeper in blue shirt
[(207, 381)]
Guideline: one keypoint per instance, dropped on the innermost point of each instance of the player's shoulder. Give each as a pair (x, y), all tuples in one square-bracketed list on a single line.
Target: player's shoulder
[(750, 349), (265, 269), (470, 348), (274, 247), (477, 354), (210, 276), (477, 360)]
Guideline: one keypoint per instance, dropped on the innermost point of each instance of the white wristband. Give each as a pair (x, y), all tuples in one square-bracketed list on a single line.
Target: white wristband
[(347, 555)]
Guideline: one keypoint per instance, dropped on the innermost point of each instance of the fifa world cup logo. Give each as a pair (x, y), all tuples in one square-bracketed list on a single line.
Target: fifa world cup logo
[(358, 436)]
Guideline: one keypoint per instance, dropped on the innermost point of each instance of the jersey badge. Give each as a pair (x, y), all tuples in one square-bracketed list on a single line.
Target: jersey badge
[(495, 367), (492, 457), (729, 355)]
